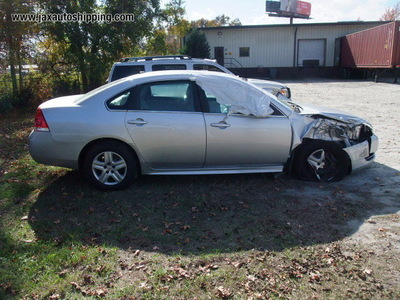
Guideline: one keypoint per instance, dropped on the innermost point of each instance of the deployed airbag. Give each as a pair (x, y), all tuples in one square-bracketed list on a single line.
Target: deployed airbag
[(242, 97)]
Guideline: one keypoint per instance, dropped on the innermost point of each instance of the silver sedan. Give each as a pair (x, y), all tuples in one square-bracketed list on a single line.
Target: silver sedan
[(195, 122)]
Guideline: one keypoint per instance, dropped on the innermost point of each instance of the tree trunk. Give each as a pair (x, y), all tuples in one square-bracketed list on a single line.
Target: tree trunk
[(12, 65), (20, 71)]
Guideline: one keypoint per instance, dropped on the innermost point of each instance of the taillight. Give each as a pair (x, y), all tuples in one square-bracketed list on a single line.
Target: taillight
[(40, 121)]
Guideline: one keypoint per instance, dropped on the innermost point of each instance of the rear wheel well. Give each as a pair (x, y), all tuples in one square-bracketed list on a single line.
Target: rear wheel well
[(85, 150)]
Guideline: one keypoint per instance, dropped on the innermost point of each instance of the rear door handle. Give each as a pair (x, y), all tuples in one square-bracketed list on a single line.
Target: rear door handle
[(138, 122), (221, 125)]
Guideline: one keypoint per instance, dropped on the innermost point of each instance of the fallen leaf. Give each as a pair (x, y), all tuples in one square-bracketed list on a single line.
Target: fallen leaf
[(145, 286), (238, 264), (76, 285), (141, 267), (100, 293), (367, 272), (168, 225), (212, 267), (223, 292)]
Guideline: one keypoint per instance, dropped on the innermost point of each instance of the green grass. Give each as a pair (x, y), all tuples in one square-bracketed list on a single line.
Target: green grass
[(169, 237)]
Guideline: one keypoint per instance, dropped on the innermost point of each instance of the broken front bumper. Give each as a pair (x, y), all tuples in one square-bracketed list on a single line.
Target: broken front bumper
[(362, 154)]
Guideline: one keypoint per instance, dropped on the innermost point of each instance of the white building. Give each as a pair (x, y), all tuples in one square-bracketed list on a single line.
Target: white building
[(266, 50)]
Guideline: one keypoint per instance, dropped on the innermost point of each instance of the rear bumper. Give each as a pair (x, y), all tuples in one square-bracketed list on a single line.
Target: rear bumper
[(45, 150), (362, 154)]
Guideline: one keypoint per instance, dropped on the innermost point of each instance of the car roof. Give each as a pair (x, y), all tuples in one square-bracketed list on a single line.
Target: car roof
[(164, 58), (175, 74)]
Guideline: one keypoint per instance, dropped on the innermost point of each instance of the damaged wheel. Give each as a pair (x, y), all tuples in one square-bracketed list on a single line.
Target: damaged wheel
[(321, 161)]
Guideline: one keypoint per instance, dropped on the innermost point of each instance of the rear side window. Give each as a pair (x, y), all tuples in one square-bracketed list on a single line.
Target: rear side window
[(167, 67), (207, 68), (120, 101), (166, 96), (124, 71)]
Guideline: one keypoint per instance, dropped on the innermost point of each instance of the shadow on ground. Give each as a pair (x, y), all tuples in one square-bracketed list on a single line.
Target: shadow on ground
[(208, 214)]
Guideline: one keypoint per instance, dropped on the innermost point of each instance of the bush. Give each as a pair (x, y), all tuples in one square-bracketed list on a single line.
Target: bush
[(6, 100), (37, 88)]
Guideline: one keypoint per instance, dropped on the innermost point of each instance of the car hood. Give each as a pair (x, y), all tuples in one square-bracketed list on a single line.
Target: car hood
[(330, 113), (266, 83)]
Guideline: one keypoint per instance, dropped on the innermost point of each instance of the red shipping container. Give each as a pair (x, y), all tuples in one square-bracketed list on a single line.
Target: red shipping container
[(377, 47)]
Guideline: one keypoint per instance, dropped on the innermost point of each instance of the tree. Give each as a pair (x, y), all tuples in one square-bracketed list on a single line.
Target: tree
[(391, 13), (177, 25), (91, 47), (14, 38), (197, 45), (218, 21), (157, 45)]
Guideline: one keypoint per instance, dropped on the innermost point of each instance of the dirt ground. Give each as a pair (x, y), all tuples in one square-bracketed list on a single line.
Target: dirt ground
[(378, 185)]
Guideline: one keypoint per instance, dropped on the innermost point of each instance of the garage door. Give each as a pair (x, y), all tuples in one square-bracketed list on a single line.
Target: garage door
[(311, 53)]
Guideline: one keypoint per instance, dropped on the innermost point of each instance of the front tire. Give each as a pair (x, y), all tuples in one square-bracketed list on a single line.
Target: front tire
[(321, 161), (110, 166)]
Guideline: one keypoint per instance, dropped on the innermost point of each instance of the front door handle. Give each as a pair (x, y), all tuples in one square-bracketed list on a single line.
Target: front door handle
[(138, 122), (221, 125)]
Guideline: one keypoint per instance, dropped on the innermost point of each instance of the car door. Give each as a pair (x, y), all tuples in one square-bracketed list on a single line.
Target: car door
[(236, 140), (167, 126)]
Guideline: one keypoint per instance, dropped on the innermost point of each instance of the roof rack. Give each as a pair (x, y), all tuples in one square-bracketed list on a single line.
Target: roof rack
[(134, 59)]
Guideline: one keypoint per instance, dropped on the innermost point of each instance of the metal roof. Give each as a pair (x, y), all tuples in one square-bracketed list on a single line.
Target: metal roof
[(346, 23)]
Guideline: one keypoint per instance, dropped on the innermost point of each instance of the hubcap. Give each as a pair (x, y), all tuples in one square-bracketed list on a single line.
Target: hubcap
[(323, 163), (109, 168)]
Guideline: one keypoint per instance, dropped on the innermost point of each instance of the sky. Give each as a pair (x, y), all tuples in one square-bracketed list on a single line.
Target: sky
[(252, 12)]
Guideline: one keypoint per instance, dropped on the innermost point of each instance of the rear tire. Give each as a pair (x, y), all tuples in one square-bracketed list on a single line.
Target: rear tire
[(110, 166), (321, 161)]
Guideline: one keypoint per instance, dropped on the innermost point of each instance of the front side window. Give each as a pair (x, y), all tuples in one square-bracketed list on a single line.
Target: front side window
[(207, 68), (214, 106), (244, 51), (167, 67), (166, 96)]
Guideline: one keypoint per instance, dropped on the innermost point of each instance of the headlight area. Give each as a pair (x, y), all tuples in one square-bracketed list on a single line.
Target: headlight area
[(348, 134), (357, 140)]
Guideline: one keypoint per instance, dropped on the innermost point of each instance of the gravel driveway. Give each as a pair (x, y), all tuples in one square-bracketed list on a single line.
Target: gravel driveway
[(376, 189)]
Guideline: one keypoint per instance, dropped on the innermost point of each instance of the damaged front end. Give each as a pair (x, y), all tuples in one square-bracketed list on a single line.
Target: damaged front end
[(353, 134)]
